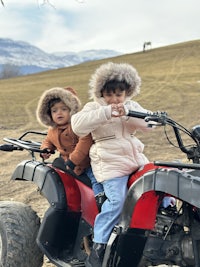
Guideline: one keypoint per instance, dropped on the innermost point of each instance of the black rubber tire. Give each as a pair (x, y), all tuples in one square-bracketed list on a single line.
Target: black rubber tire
[(19, 226)]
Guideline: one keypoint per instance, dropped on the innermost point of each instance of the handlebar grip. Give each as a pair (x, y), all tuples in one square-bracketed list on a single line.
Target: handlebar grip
[(9, 148), (137, 114), (46, 150)]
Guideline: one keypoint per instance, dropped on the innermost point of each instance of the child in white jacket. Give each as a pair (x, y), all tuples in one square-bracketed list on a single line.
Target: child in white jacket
[(116, 151)]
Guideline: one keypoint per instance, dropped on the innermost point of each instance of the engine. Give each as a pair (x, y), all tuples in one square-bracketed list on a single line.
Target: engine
[(169, 243)]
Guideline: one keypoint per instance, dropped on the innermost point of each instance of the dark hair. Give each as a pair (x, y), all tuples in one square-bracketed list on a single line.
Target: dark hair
[(51, 103), (112, 85)]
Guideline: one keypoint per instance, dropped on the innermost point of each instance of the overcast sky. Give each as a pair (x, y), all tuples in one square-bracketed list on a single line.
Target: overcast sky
[(121, 25)]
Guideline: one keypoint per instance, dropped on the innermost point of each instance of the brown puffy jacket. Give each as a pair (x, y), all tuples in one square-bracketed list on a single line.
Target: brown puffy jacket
[(70, 146)]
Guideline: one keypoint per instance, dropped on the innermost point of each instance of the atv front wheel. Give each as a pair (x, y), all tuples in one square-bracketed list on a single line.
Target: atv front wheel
[(19, 226)]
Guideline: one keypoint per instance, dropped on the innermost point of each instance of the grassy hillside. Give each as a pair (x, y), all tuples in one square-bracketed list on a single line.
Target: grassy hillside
[(170, 82)]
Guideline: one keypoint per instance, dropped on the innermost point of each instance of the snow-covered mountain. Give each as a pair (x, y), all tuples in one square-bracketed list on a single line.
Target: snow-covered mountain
[(31, 59)]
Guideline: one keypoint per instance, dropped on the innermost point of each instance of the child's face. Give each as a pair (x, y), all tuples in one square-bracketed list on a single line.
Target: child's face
[(60, 113), (114, 97)]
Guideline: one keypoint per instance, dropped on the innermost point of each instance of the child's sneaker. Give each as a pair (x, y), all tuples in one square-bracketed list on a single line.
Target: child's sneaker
[(168, 202), (100, 198)]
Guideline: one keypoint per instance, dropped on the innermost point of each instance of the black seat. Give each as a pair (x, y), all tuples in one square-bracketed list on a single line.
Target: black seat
[(60, 164)]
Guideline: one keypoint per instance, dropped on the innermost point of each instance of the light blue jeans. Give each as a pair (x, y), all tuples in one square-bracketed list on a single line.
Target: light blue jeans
[(97, 187), (115, 190)]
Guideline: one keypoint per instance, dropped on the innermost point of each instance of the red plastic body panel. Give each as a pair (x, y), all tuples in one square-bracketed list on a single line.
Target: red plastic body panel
[(135, 176), (79, 196), (88, 203), (71, 190), (145, 211)]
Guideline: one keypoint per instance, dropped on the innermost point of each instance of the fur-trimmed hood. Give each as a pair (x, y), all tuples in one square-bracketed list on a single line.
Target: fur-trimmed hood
[(67, 95), (114, 71)]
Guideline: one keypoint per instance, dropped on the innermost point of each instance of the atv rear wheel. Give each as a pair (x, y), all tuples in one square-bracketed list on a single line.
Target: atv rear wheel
[(19, 226)]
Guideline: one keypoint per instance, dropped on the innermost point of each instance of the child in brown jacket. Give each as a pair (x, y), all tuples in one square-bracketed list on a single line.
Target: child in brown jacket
[(55, 108)]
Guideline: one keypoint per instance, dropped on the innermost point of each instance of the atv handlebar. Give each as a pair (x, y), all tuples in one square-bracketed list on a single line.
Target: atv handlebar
[(20, 144), (162, 119), (159, 117), (17, 144)]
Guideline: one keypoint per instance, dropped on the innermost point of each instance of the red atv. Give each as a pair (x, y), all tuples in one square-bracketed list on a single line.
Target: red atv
[(146, 235)]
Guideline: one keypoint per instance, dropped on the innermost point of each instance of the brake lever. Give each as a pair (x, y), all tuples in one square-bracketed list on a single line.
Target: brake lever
[(158, 117)]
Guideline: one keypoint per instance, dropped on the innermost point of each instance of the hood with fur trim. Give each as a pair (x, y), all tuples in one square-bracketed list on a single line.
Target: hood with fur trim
[(114, 71), (67, 95)]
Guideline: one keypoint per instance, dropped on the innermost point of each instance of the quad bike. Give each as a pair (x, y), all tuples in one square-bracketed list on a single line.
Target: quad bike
[(147, 234)]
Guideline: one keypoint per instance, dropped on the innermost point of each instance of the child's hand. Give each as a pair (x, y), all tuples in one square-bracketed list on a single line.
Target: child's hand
[(45, 155), (69, 165), (118, 110), (74, 168)]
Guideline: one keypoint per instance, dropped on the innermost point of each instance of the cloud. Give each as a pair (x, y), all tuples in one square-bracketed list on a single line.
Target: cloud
[(123, 26)]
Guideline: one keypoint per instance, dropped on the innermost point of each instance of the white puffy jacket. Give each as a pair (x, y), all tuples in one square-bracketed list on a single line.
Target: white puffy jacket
[(116, 151)]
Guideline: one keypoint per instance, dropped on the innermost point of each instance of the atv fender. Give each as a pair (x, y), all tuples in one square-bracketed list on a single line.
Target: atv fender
[(145, 190), (45, 178), (59, 226)]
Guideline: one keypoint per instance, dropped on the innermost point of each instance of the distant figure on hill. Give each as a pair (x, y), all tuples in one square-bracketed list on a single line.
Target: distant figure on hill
[(146, 45)]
